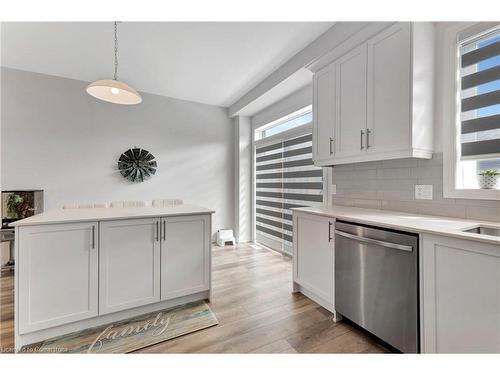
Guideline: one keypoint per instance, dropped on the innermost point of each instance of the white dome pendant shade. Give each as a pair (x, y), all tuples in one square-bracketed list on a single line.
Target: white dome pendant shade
[(112, 90)]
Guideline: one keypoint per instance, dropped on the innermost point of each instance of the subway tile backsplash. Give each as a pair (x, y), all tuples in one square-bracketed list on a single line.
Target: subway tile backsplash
[(390, 185)]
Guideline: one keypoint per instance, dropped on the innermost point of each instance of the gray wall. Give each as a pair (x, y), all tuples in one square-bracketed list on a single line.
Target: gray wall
[(56, 137), (390, 185)]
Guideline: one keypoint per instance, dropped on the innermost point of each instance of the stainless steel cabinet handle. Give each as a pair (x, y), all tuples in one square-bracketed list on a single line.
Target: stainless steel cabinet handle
[(157, 230), (361, 139), (368, 131), (331, 146), (93, 236), (375, 242), (330, 238), (164, 230)]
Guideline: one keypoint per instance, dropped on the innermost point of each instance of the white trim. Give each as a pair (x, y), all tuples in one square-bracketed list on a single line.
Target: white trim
[(451, 138), (293, 102), (283, 136), (281, 120)]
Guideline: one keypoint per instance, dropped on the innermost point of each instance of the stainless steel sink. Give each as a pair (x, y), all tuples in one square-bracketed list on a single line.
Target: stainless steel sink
[(489, 231)]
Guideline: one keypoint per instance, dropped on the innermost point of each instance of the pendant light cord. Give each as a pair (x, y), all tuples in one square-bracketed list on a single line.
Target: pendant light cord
[(116, 51)]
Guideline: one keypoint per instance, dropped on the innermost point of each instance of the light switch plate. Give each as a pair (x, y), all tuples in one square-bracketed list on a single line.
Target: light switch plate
[(423, 191), (333, 189)]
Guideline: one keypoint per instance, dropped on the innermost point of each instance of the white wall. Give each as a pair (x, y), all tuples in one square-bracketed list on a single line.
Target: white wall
[(58, 138), (243, 184)]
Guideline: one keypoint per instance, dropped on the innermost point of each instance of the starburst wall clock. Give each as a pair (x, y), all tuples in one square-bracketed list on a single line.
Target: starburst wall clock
[(137, 164)]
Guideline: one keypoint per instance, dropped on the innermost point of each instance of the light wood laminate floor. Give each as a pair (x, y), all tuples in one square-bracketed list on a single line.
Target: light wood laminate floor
[(257, 312)]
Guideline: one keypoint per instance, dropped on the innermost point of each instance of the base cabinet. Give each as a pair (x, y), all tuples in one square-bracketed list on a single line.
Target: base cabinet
[(313, 258), (185, 256), (129, 273), (460, 296), (75, 276), (57, 274)]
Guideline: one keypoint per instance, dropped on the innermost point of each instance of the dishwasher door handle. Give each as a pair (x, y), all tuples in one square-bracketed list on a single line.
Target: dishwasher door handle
[(375, 242)]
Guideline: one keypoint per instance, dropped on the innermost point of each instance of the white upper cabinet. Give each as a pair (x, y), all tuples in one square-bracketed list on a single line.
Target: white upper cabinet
[(324, 113), (350, 103), (389, 85), (381, 102)]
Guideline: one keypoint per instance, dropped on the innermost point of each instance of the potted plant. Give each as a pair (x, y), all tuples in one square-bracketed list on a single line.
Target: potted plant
[(12, 205), (489, 179)]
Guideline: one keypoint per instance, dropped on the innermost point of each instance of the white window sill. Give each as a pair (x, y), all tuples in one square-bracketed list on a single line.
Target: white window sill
[(487, 194)]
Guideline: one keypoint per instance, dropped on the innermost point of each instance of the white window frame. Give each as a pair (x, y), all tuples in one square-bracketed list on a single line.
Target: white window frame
[(451, 110), (296, 114)]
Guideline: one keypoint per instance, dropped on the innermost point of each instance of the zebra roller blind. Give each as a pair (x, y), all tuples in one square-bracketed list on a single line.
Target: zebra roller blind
[(480, 96), (285, 178)]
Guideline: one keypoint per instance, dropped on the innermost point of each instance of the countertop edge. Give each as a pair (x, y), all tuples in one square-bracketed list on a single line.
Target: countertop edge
[(48, 221), (415, 229)]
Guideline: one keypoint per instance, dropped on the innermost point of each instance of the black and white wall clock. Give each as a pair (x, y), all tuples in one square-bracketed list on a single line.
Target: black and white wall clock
[(137, 164)]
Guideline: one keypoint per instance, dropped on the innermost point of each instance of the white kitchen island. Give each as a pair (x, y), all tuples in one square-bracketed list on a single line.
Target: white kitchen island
[(81, 268)]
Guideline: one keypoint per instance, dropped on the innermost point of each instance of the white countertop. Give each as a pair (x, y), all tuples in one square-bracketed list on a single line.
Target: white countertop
[(100, 214), (415, 223)]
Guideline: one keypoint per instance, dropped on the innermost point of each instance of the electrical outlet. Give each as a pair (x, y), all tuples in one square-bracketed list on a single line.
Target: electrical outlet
[(333, 189), (423, 191)]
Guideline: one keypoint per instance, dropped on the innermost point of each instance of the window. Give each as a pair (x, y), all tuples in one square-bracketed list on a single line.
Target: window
[(285, 178), (293, 120), (477, 120)]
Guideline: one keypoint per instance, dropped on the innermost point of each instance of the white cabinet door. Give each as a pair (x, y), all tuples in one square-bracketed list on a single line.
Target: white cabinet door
[(350, 124), (314, 256), (324, 115), (461, 296), (185, 255), (57, 273), (129, 265), (389, 99), (383, 91)]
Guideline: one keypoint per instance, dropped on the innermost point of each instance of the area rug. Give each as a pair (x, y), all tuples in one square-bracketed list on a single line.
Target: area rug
[(132, 334)]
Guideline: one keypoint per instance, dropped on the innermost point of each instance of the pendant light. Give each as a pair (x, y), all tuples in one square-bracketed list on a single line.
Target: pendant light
[(112, 90)]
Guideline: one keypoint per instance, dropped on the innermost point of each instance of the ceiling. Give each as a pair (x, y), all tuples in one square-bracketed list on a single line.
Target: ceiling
[(206, 62)]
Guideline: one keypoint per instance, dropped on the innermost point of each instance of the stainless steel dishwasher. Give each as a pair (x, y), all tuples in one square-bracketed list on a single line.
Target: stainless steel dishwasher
[(376, 282)]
